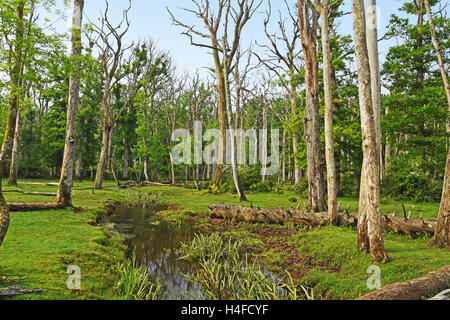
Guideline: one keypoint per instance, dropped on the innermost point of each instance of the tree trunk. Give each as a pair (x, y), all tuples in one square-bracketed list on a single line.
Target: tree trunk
[(329, 109), (416, 289), (372, 48), (14, 168), (283, 170), (372, 212), (14, 98), (442, 234), (234, 167), (125, 159), (79, 166), (218, 178), (66, 182), (107, 127), (297, 169), (308, 33)]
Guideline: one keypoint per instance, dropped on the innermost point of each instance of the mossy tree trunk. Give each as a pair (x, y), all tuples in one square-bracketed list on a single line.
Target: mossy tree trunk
[(14, 98)]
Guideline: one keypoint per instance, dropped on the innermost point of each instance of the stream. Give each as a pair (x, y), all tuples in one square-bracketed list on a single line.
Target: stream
[(154, 242)]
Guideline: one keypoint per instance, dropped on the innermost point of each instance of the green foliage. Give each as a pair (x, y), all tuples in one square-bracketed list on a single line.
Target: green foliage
[(406, 180)]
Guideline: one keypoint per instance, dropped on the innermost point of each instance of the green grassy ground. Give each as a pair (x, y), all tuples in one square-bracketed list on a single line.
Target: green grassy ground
[(41, 245)]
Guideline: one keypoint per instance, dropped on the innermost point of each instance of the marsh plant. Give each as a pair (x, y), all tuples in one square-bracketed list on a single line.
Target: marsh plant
[(138, 198), (225, 274), (135, 283)]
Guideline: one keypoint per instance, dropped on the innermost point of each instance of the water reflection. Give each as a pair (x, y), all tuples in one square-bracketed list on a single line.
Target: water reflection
[(155, 242)]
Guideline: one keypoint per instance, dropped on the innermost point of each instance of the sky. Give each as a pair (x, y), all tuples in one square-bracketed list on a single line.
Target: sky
[(149, 18)]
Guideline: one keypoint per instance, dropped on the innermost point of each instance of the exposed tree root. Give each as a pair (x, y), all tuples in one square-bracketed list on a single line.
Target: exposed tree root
[(433, 282)]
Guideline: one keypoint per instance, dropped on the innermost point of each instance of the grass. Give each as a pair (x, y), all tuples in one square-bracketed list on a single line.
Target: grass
[(135, 284), (224, 273), (41, 245)]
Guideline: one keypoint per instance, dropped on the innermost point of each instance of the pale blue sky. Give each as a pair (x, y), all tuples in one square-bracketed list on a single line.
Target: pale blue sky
[(149, 18)]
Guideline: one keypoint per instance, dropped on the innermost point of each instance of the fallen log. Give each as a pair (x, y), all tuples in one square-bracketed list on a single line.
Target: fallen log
[(443, 296), (408, 226), (30, 193), (416, 289), (264, 215), (18, 206), (17, 290), (315, 219), (47, 184)]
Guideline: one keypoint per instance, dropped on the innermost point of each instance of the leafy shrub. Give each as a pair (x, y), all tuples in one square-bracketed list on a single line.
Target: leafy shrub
[(404, 180)]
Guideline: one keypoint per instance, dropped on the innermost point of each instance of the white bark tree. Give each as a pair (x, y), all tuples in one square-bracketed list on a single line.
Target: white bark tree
[(64, 195), (369, 222), (442, 234)]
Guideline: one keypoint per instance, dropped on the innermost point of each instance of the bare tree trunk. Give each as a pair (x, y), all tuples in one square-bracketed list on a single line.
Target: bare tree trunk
[(146, 170), (79, 165), (329, 109), (218, 177), (107, 126), (442, 234), (297, 169), (308, 33), (438, 53), (64, 196), (172, 170), (372, 47), (264, 141), (387, 151), (14, 98), (234, 167), (283, 171), (14, 168), (368, 127), (125, 159)]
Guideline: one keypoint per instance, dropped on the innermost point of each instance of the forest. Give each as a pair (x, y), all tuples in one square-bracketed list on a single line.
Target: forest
[(297, 163)]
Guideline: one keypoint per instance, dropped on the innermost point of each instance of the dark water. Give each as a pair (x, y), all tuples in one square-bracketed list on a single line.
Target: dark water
[(155, 241)]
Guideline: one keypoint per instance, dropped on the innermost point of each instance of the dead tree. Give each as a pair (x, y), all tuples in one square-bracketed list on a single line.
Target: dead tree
[(282, 60), (110, 43), (223, 58)]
